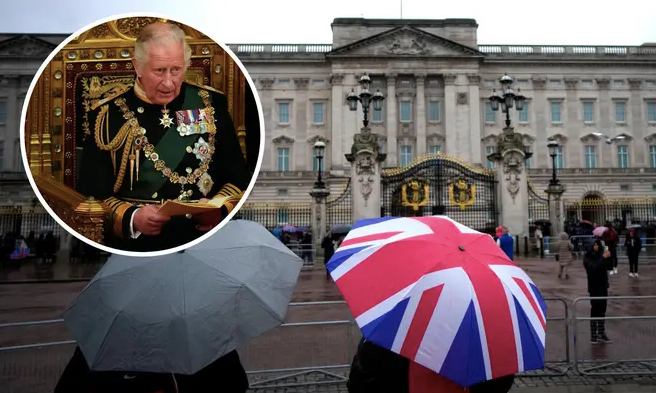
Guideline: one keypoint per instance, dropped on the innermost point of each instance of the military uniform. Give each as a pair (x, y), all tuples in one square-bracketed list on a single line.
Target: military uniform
[(143, 153)]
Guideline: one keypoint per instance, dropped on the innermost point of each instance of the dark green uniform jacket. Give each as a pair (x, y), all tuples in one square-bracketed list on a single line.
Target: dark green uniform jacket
[(126, 180)]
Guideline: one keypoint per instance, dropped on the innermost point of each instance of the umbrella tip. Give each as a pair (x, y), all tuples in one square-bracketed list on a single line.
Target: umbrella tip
[(461, 248)]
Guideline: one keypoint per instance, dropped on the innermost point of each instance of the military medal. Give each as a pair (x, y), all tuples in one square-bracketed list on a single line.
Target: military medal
[(201, 150), (191, 122), (165, 120)]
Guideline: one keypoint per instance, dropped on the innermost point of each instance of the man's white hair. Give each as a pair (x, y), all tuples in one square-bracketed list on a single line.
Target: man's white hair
[(160, 33)]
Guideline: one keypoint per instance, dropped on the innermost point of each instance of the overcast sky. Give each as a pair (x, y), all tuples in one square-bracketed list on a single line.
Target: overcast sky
[(552, 22)]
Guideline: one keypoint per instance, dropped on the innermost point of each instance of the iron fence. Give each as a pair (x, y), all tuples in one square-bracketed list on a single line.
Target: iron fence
[(23, 222), (538, 208), (632, 350), (582, 244), (271, 215), (339, 211), (621, 212)]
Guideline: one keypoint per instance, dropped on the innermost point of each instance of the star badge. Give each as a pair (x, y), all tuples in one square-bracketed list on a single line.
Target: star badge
[(166, 120)]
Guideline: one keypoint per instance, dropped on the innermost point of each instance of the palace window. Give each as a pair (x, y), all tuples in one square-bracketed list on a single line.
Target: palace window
[(652, 156), (3, 112), (405, 157), (586, 82), (588, 112), (523, 114), (433, 111), (406, 111), (560, 161), (318, 114), (651, 111), (490, 150), (527, 148), (590, 157), (283, 159), (622, 156), (377, 116), (283, 112), (490, 115), (651, 83), (620, 111), (556, 112), (434, 149)]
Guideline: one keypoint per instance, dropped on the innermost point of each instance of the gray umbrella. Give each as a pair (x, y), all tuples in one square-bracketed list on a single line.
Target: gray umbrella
[(180, 312)]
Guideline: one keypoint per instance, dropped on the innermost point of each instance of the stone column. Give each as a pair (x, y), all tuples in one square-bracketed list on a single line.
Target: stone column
[(12, 126), (337, 123), (542, 115), (365, 159), (510, 161), (634, 114), (318, 217), (301, 152), (556, 209), (420, 125), (269, 159), (608, 154), (392, 121), (450, 101), (475, 119)]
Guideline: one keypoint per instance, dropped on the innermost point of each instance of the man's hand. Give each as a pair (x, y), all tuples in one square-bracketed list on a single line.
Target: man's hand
[(207, 221), (606, 254), (148, 221)]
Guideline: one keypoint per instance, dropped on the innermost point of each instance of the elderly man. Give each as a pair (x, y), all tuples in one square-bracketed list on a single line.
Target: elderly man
[(164, 139)]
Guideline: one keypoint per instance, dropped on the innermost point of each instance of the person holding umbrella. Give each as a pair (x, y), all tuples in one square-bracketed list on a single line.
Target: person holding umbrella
[(173, 323), (441, 295), (633, 245)]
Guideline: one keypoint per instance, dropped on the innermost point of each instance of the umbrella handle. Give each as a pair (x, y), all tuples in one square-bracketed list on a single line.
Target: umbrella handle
[(175, 383)]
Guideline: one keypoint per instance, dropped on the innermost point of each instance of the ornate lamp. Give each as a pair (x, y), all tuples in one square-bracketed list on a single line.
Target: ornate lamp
[(319, 150)]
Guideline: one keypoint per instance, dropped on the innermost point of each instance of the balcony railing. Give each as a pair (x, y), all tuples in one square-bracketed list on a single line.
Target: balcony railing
[(493, 50)]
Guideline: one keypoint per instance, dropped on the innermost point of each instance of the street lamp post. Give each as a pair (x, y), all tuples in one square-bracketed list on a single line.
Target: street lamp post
[(507, 98), (553, 152), (319, 149), (365, 98)]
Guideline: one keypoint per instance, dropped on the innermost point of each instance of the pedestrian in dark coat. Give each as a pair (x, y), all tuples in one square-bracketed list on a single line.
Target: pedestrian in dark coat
[(377, 370), (633, 245), (328, 249), (597, 263)]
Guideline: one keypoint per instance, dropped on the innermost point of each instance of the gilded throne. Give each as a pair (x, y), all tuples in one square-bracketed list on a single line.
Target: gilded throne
[(96, 65)]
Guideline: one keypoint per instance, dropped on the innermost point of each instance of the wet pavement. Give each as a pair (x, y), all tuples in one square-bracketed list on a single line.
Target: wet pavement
[(37, 369)]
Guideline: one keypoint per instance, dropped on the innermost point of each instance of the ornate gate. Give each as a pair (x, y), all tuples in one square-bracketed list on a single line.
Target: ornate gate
[(339, 211), (440, 184), (538, 208)]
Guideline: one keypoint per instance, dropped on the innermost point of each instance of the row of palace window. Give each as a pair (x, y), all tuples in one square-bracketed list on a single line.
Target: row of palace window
[(623, 159), (434, 112), (589, 115), (405, 157)]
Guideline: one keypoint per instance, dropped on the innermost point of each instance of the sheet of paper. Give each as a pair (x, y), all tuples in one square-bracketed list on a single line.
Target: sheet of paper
[(175, 208)]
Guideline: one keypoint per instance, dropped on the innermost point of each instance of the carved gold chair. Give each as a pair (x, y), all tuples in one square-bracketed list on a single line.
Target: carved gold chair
[(93, 66)]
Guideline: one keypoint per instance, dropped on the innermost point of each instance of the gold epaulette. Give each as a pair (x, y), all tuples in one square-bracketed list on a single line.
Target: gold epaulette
[(106, 100), (203, 87)]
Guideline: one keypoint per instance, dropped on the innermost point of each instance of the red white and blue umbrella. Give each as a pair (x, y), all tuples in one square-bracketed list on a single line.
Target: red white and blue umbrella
[(443, 295), (289, 228)]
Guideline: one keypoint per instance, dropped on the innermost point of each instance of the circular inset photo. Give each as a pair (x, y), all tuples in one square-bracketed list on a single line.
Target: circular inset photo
[(136, 135)]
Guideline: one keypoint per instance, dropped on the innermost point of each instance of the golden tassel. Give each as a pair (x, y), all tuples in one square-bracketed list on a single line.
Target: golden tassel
[(131, 170), (137, 159)]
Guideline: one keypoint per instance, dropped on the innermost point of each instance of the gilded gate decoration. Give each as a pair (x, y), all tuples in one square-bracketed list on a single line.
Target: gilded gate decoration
[(419, 194), (441, 184), (462, 193)]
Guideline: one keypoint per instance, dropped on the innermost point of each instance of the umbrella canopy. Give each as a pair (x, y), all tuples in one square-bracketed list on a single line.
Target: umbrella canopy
[(442, 295), (289, 228), (585, 222), (180, 312), (340, 229), (599, 231)]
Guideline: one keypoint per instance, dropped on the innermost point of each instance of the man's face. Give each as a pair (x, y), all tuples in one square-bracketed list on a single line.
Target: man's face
[(163, 72)]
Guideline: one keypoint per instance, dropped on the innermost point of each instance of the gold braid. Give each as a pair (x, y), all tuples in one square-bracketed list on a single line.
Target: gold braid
[(121, 140)]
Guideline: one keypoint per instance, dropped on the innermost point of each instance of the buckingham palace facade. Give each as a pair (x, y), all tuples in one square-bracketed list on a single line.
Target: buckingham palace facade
[(436, 78)]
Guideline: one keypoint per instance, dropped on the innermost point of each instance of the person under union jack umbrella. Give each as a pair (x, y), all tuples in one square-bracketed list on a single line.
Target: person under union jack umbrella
[(444, 300)]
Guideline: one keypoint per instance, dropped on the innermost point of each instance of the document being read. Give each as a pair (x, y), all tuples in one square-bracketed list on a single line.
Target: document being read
[(177, 208)]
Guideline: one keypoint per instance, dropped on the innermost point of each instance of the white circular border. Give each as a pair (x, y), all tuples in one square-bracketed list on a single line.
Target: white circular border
[(70, 230)]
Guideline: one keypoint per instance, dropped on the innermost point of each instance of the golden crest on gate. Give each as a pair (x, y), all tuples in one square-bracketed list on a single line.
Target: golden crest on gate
[(415, 194), (462, 193)]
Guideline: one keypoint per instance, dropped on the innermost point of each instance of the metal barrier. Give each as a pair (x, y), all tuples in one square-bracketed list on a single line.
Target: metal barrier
[(618, 358), (304, 251), (557, 357), (321, 353), (582, 244)]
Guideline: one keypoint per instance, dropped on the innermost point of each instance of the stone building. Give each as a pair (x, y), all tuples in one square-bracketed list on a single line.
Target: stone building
[(436, 78)]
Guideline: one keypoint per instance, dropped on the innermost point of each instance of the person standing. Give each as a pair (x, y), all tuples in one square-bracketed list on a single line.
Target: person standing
[(611, 240), (565, 257), (597, 262), (538, 241), (633, 245), (506, 243), (328, 249)]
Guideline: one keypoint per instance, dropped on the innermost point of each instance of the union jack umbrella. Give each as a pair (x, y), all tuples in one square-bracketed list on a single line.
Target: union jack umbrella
[(443, 295)]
